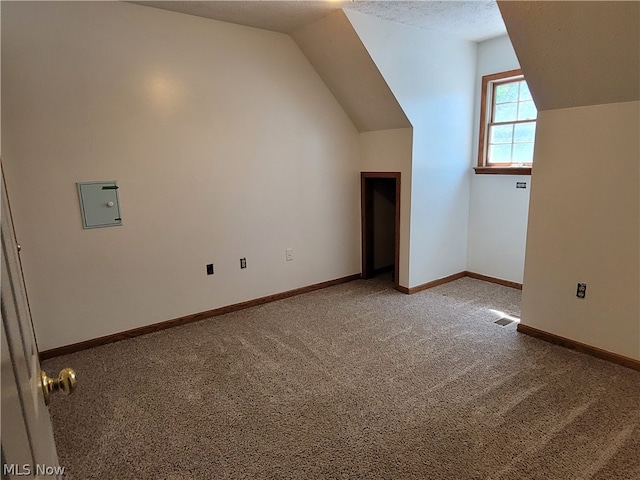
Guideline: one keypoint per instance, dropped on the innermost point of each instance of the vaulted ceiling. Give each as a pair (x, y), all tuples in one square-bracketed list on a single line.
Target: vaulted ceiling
[(335, 50), (573, 53), (471, 20), (577, 53), (326, 37)]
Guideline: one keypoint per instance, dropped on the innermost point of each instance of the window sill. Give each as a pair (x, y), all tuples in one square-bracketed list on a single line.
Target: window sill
[(503, 170)]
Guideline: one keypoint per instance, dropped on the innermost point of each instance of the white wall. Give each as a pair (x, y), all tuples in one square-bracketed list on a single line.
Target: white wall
[(225, 144), (498, 212), (584, 226), (390, 151), (432, 76), (498, 226)]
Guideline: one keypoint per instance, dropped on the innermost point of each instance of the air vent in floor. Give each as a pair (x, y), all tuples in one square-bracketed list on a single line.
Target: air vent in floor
[(503, 322)]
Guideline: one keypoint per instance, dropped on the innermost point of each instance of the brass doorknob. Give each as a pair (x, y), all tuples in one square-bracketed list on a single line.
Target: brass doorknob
[(66, 382)]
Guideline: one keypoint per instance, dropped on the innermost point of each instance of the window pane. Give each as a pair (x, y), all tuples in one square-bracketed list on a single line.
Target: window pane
[(509, 127), (507, 93), (525, 94), (523, 153), (506, 112), (527, 111), (500, 153), (525, 132), (501, 134)]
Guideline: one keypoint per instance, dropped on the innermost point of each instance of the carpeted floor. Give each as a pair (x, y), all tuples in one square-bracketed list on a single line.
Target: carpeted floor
[(356, 381)]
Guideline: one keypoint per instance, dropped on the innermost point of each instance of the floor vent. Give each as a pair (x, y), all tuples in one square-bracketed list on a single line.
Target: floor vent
[(503, 322)]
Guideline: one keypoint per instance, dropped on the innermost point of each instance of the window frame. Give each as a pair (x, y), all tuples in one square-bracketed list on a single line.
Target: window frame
[(486, 115)]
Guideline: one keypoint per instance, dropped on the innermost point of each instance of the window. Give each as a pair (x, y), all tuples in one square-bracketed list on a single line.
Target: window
[(507, 124)]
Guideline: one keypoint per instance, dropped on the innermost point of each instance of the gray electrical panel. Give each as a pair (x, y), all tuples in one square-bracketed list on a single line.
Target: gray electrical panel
[(99, 204)]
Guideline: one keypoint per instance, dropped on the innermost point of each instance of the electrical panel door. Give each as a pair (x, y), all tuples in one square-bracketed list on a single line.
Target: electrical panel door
[(100, 204)]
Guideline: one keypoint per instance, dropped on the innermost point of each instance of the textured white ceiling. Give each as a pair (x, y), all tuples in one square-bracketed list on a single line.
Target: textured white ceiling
[(475, 20), (472, 20)]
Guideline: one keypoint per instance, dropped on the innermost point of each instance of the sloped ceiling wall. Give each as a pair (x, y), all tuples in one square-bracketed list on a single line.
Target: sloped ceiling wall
[(278, 16), (577, 53), (335, 50)]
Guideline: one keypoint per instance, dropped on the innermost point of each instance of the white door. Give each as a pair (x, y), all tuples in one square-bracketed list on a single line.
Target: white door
[(28, 448)]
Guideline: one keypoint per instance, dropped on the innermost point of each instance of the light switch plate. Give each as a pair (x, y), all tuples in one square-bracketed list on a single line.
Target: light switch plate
[(99, 204)]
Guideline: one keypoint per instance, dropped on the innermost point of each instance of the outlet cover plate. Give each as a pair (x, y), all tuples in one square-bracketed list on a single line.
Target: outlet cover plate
[(582, 290)]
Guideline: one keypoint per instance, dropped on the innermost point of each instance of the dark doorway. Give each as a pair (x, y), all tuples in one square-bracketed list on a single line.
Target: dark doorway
[(380, 195)]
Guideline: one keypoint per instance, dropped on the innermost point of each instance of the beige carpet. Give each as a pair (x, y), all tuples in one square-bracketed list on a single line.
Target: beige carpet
[(356, 381)]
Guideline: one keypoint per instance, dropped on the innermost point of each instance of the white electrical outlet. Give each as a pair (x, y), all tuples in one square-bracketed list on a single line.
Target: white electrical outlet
[(289, 252)]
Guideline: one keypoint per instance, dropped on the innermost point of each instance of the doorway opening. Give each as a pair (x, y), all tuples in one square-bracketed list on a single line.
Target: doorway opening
[(380, 208)]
